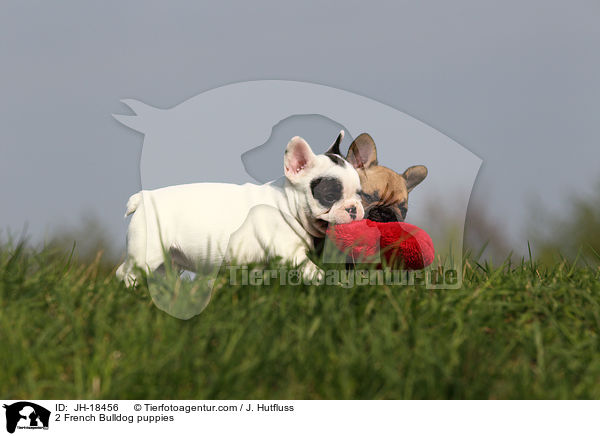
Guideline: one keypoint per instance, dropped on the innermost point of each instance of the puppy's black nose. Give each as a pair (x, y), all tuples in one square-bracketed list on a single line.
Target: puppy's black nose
[(382, 214), (352, 212)]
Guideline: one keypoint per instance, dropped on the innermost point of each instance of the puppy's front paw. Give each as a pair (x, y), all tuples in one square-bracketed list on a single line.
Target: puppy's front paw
[(311, 272), (124, 274)]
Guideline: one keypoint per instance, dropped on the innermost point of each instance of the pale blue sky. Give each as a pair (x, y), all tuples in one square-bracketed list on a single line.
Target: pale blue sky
[(517, 83)]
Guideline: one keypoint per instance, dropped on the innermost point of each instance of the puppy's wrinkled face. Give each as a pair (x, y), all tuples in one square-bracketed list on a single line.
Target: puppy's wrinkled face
[(384, 192), (327, 186)]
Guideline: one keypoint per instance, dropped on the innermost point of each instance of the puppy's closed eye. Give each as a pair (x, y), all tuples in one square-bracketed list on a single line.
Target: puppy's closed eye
[(369, 198)]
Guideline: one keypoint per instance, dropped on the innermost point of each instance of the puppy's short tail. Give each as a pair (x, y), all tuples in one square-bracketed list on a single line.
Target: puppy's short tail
[(133, 203)]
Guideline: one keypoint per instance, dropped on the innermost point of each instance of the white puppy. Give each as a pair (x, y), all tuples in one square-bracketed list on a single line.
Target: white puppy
[(205, 223)]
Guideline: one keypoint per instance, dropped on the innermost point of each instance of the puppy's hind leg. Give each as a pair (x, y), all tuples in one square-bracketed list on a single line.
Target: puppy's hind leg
[(126, 271), (138, 246)]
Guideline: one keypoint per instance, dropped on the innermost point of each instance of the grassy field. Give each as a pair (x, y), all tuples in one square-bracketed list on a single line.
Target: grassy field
[(70, 330)]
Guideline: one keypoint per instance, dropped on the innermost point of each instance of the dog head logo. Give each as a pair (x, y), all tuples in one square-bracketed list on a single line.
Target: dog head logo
[(26, 415)]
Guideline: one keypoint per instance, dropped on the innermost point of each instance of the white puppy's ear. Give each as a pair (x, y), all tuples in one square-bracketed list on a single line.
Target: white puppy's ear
[(297, 159), (335, 148)]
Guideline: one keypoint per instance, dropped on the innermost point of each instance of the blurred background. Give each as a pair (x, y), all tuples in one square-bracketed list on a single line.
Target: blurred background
[(516, 83)]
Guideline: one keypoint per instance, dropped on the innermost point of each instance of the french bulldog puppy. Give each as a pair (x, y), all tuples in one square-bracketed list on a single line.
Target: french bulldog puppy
[(384, 192), (207, 223)]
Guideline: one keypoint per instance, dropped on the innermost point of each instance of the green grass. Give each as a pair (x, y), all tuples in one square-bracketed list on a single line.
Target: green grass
[(71, 330)]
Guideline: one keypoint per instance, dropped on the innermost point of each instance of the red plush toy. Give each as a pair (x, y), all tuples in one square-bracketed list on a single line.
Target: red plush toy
[(402, 244)]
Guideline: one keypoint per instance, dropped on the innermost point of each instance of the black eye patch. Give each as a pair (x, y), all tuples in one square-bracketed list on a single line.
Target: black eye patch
[(326, 190)]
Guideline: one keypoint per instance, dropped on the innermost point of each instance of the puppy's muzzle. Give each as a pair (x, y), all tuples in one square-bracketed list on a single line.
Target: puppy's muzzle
[(383, 214), (352, 212)]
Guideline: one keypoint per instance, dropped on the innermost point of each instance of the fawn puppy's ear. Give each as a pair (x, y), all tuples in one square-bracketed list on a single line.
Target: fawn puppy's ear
[(335, 148), (414, 175), (298, 158), (362, 153)]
